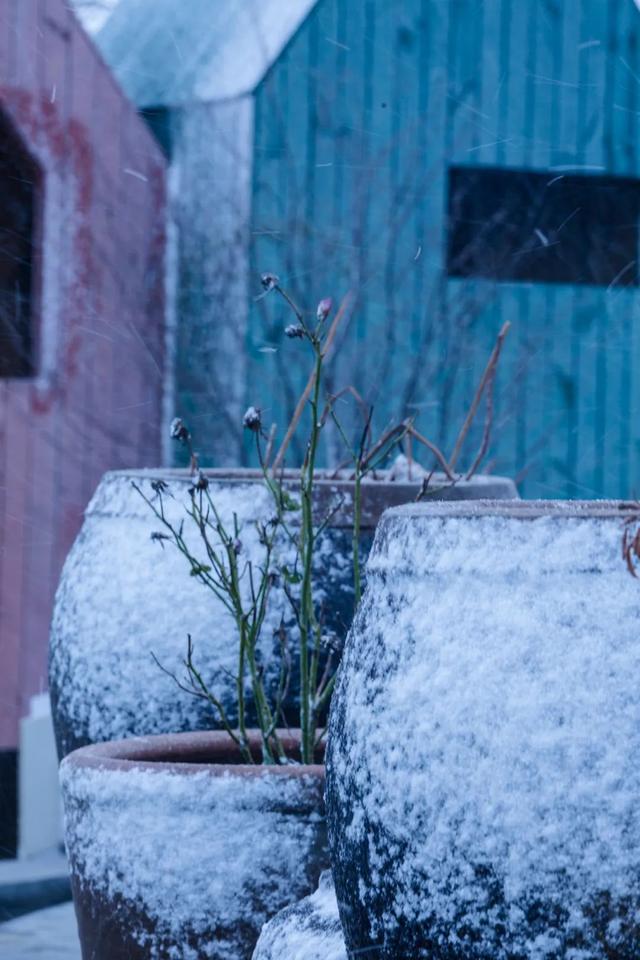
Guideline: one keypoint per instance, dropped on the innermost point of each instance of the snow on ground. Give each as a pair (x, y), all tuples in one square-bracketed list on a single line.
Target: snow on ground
[(50, 934)]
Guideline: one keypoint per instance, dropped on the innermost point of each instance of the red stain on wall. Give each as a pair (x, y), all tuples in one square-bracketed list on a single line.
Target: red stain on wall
[(95, 401)]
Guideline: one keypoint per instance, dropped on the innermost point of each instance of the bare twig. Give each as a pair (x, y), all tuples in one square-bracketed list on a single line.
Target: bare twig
[(409, 449), (365, 438), (202, 692), (488, 423), (440, 457), (489, 372), (331, 401), (631, 545), (388, 438), (269, 449)]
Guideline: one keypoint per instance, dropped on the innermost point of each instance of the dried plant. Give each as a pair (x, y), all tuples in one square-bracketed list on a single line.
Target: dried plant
[(244, 585)]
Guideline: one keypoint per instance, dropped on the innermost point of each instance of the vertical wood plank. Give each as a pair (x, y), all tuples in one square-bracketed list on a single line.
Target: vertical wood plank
[(424, 367), (565, 389)]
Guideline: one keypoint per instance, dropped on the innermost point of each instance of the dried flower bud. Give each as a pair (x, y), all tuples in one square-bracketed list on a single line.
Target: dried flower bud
[(178, 430), (324, 309), (237, 547), (269, 281), (252, 420), (158, 537), (332, 642), (200, 482), (294, 331)]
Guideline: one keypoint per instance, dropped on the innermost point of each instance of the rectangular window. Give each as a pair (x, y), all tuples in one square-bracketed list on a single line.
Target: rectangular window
[(19, 177), (517, 225)]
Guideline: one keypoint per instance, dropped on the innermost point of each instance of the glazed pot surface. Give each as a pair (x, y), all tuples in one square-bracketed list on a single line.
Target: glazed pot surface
[(176, 848), (483, 767)]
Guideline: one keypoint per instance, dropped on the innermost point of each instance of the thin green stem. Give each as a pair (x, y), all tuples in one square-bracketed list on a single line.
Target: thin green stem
[(307, 614), (355, 541)]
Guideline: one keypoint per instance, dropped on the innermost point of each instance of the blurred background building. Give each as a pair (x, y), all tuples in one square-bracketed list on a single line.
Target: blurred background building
[(453, 163)]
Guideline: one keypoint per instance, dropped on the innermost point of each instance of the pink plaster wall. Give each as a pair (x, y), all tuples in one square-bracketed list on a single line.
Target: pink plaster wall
[(95, 402)]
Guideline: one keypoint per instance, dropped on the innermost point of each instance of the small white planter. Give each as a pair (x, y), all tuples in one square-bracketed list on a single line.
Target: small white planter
[(483, 765)]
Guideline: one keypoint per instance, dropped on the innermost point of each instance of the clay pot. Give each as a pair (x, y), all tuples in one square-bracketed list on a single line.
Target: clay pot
[(122, 598), (178, 849), (483, 767)]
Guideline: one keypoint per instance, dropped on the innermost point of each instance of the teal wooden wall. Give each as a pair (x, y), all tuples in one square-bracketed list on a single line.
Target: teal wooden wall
[(355, 128)]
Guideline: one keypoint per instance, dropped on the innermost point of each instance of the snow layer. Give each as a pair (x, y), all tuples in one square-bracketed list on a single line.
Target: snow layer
[(484, 749), (93, 14), (309, 930), (208, 859), (123, 597), (167, 54)]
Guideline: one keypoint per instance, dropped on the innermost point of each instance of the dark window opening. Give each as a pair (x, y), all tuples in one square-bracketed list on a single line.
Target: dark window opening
[(543, 227), (159, 122), (19, 178)]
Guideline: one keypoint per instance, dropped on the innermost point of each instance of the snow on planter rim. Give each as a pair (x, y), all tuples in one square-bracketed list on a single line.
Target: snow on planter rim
[(494, 722), (528, 509), (340, 484), (189, 844)]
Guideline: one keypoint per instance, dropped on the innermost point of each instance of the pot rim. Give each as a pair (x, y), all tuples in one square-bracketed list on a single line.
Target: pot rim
[(138, 753), (519, 509), (323, 477)]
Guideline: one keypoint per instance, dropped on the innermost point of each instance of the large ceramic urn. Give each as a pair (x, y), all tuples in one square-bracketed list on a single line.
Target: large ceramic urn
[(126, 602), (483, 758)]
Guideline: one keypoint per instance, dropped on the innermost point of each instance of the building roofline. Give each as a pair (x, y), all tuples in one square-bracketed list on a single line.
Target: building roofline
[(232, 46)]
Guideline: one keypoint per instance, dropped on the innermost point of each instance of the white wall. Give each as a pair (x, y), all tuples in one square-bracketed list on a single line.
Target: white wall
[(40, 816)]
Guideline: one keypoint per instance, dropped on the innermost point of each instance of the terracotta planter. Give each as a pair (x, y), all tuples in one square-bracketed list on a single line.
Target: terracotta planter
[(178, 850), (483, 767), (122, 597)]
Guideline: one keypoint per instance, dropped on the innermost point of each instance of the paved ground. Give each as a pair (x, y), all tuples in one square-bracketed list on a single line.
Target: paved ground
[(33, 883), (44, 935), (30, 887)]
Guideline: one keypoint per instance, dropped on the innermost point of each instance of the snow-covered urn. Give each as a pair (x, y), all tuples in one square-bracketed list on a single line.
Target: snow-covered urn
[(179, 851), (483, 765), (308, 930), (125, 598)]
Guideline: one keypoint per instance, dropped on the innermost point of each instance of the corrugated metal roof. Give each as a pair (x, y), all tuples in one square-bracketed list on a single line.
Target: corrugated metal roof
[(171, 52)]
